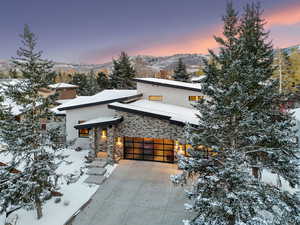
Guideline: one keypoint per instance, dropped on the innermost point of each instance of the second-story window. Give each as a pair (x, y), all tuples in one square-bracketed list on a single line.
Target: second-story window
[(195, 98), (155, 98)]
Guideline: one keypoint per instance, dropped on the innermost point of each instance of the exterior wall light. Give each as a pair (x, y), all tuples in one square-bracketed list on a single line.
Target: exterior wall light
[(188, 146), (176, 145), (119, 141), (103, 133), (180, 151)]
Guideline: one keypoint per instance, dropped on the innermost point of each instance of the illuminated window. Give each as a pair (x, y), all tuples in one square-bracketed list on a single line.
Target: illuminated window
[(155, 98), (84, 133), (195, 98)]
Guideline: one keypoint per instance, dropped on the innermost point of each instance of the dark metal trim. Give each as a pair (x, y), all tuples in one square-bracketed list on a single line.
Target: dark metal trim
[(100, 102), (177, 123), (143, 113), (166, 85), (103, 124), (139, 112)]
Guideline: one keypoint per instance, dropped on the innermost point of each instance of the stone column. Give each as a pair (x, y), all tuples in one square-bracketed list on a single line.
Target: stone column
[(111, 136), (96, 141)]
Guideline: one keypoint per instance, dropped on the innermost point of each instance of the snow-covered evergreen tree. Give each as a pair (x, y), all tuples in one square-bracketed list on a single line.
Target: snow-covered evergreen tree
[(123, 73), (102, 81), (241, 132), (81, 80), (34, 150), (180, 72)]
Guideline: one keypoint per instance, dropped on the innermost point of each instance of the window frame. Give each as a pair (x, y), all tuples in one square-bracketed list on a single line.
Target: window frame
[(195, 98), (83, 135), (156, 98)]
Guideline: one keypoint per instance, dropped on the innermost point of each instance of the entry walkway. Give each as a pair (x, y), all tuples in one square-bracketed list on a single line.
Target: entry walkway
[(137, 193)]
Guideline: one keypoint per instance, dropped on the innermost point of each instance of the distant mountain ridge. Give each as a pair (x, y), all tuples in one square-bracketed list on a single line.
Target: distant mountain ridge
[(153, 63)]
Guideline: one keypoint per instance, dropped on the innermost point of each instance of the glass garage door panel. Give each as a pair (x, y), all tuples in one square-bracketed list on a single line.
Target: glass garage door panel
[(150, 149)]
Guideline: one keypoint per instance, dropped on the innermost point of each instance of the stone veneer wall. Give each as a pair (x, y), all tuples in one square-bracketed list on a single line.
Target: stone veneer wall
[(135, 125), (97, 143)]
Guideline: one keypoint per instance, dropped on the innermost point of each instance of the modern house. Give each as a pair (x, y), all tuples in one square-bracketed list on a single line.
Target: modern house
[(143, 124), (85, 109)]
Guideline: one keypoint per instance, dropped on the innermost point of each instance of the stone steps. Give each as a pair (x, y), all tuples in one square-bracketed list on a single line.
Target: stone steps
[(97, 164), (95, 179), (96, 171)]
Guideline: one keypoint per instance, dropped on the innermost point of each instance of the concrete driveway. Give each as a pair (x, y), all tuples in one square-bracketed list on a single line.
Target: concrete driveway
[(137, 193)]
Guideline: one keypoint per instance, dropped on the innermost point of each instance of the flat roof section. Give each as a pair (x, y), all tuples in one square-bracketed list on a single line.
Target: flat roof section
[(103, 97), (175, 114), (170, 83), (101, 121)]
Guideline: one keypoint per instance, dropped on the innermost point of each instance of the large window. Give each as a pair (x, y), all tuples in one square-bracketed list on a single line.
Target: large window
[(83, 133), (155, 98), (195, 98)]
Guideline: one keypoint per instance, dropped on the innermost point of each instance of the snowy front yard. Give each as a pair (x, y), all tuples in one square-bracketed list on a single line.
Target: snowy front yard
[(74, 194)]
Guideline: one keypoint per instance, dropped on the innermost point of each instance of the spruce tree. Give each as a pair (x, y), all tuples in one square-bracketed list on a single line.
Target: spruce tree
[(80, 79), (33, 149), (241, 132), (92, 84), (180, 72), (123, 73), (102, 81), (89, 84)]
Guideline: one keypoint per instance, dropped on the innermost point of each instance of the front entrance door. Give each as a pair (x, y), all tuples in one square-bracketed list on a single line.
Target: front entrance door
[(150, 149)]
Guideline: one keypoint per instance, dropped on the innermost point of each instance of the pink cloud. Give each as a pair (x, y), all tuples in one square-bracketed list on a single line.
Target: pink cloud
[(202, 40), (288, 15)]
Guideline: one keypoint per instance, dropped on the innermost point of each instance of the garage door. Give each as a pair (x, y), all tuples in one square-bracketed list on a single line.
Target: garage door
[(151, 149)]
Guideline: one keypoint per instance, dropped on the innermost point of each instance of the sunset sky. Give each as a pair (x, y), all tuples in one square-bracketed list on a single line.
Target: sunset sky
[(94, 31)]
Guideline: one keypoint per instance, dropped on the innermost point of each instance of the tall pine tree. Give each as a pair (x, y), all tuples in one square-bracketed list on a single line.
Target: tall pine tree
[(32, 148), (81, 80), (102, 81), (123, 73), (243, 132), (180, 72)]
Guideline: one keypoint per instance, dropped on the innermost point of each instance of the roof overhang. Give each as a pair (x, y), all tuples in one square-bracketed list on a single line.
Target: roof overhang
[(149, 114), (101, 102), (166, 84), (100, 122)]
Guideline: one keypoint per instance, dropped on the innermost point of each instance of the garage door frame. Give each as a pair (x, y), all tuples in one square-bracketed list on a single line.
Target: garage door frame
[(149, 149)]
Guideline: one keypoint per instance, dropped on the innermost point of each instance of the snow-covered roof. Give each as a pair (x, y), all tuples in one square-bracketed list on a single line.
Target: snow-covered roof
[(170, 83), (104, 120), (167, 111), (103, 97), (57, 112), (62, 85), (197, 78), (63, 101)]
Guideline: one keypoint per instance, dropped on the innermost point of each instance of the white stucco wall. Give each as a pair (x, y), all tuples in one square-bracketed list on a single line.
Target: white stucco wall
[(170, 95), (86, 113)]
